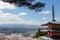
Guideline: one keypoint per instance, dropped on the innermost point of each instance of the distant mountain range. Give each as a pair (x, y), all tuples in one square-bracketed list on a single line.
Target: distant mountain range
[(18, 28), (15, 26)]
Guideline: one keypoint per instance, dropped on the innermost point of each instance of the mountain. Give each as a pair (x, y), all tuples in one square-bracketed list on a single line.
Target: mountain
[(18, 26)]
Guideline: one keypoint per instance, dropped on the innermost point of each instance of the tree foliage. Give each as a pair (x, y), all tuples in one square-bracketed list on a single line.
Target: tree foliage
[(27, 3), (39, 33)]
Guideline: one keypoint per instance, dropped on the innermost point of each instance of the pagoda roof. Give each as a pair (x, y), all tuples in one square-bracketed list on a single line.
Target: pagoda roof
[(53, 22)]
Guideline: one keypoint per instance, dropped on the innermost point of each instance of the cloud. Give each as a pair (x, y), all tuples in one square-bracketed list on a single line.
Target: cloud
[(44, 18), (22, 14), (4, 5), (32, 22), (45, 12), (56, 18), (9, 18), (44, 22)]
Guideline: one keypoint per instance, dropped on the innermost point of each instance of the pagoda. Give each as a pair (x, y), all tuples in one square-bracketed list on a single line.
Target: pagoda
[(53, 27)]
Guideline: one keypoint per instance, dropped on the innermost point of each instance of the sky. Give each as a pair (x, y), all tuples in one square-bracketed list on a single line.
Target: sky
[(11, 14)]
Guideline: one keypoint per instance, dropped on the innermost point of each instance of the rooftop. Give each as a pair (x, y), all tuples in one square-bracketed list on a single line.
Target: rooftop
[(55, 22)]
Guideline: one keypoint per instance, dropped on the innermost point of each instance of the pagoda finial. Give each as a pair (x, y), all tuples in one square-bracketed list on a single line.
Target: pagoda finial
[(53, 16)]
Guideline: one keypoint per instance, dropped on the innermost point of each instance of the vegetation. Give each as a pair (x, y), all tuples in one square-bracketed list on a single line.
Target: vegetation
[(39, 33), (27, 3)]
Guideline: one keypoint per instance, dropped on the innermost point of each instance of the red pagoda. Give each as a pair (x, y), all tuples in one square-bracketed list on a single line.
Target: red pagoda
[(53, 27)]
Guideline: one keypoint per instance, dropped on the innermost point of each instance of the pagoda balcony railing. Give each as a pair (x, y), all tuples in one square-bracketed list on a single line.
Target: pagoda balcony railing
[(55, 37), (54, 30)]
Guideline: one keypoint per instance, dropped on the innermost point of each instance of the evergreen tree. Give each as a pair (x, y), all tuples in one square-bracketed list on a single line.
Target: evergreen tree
[(39, 33), (27, 3)]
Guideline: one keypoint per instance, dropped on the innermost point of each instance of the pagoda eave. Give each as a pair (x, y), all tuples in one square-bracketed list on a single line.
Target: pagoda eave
[(46, 24)]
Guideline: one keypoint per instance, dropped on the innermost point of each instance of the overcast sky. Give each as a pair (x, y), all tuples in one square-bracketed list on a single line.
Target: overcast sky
[(10, 14)]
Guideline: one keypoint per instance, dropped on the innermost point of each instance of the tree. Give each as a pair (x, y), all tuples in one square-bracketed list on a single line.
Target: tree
[(39, 33), (27, 3)]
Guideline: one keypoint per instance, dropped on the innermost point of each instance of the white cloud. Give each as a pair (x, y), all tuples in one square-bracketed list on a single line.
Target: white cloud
[(44, 22), (22, 14), (32, 22), (4, 5), (45, 12), (56, 18), (44, 18), (9, 18)]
